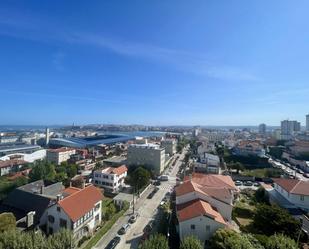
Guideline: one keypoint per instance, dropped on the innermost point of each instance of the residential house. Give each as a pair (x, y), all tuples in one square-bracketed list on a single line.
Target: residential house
[(11, 166), (294, 191), (29, 202), (111, 179), (204, 204), (78, 210)]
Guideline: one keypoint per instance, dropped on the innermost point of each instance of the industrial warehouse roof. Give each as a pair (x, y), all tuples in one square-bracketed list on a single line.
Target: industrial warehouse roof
[(82, 142)]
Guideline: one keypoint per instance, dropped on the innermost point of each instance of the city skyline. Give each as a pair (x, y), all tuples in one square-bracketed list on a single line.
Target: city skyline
[(175, 63)]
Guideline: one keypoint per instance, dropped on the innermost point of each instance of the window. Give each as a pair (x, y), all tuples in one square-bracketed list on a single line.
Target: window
[(97, 217), (302, 198), (192, 227), (63, 223), (207, 228), (58, 209), (97, 206), (51, 218)]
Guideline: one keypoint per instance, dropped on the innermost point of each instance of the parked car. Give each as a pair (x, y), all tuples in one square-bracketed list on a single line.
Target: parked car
[(256, 184), (157, 183), (133, 218), (164, 178), (124, 229), (248, 183), (306, 175), (113, 243), (238, 183)]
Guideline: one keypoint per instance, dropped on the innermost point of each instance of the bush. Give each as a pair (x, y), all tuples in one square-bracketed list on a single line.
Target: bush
[(279, 241), (191, 242), (269, 220)]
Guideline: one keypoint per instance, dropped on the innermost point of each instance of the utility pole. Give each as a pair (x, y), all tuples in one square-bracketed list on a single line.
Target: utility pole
[(133, 198)]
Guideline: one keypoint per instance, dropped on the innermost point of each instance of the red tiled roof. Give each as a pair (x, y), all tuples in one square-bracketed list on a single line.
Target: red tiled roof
[(293, 186), (80, 202), (211, 180), (63, 149), (120, 170), (198, 208), (219, 193), (12, 162), (71, 190)]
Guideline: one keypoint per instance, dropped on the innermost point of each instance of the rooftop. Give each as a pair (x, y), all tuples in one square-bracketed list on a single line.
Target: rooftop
[(219, 193), (293, 186), (211, 180), (111, 170), (80, 201), (198, 208), (12, 162), (63, 149)]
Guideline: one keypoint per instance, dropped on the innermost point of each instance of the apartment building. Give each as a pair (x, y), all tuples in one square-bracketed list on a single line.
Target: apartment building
[(169, 145), (78, 210), (111, 179), (151, 156), (60, 155)]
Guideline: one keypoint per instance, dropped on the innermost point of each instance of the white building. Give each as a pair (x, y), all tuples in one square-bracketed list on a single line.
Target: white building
[(78, 210), (248, 148), (204, 204), (294, 191), (60, 155), (110, 178), (151, 156), (289, 128), (169, 145)]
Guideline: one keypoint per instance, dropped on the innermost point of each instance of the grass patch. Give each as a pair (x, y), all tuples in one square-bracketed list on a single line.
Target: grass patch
[(243, 221), (103, 230), (261, 173)]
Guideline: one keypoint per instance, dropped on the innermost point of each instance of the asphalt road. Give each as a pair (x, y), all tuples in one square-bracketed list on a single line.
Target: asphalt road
[(146, 208)]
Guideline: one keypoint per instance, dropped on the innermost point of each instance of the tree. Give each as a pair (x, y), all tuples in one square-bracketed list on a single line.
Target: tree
[(140, 177), (157, 241), (43, 170), (237, 166), (110, 211), (229, 239), (279, 241), (61, 240), (7, 222), (15, 239), (261, 195), (191, 242), (272, 219)]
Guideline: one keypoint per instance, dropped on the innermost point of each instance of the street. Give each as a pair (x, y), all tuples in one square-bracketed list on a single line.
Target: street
[(146, 208)]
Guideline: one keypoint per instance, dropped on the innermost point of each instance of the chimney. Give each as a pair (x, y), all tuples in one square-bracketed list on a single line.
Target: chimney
[(190, 177), (59, 197), (83, 184), (30, 218)]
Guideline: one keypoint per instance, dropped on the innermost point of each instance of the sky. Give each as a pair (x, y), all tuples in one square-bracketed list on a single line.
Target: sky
[(156, 62)]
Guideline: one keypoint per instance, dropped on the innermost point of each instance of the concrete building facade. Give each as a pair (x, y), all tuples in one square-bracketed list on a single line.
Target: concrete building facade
[(151, 156), (60, 155)]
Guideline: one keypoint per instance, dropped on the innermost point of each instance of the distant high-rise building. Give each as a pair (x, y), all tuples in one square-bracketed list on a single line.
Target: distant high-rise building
[(47, 136), (262, 128), (288, 128), (307, 122)]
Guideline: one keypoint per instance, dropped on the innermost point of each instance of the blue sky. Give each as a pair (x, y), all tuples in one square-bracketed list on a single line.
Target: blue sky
[(204, 62)]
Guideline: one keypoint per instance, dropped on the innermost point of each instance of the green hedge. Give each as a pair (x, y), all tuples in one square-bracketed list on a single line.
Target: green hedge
[(103, 230)]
